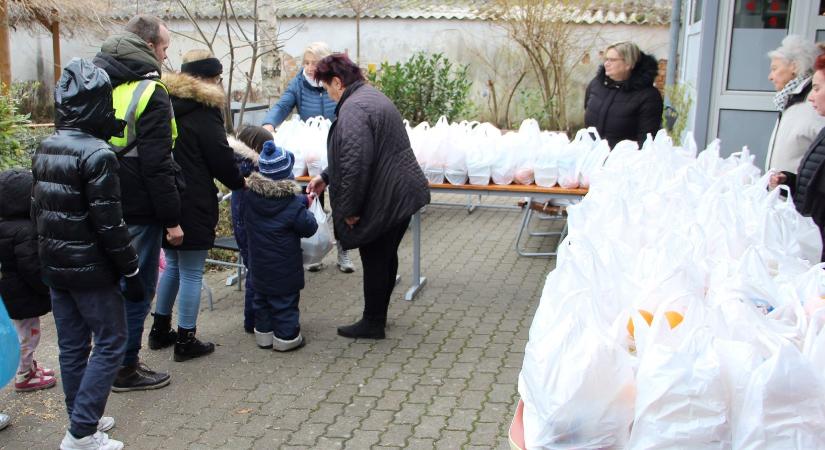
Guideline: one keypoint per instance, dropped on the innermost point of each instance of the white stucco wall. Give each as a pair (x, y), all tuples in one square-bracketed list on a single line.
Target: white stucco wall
[(482, 45)]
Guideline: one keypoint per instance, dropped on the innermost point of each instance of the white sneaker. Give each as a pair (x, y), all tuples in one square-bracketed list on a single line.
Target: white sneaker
[(105, 423), (264, 340), (314, 267), (5, 420), (344, 263), (281, 345), (97, 441)]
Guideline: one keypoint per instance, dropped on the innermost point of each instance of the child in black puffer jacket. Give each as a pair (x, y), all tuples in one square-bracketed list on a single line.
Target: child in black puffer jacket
[(24, 294)]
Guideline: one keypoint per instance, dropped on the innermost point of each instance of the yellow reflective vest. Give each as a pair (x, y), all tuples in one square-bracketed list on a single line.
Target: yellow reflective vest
[(130, 100)]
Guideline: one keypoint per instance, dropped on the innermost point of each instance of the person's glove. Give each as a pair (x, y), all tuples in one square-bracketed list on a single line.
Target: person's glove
[(134, 289)]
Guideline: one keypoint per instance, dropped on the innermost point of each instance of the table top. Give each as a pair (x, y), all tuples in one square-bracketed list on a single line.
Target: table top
[(515, 188)]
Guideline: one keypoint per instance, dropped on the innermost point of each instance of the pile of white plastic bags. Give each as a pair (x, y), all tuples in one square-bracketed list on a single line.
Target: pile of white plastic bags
[(479, 153), (307, 140), (686, 310)]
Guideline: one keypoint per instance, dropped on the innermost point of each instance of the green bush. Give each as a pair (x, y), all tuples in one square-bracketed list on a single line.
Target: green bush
[(675, 117), (425, 87), (12, 152), (35, 99)]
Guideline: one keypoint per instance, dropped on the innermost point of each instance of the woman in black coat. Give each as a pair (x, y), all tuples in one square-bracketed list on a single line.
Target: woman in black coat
[(621, 101), (203, 153), (808, 183), (375, 184)]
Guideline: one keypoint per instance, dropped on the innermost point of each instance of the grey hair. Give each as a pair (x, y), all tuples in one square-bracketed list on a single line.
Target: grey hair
[(147, 27), (799, 52), (319, 49), (629, 52)]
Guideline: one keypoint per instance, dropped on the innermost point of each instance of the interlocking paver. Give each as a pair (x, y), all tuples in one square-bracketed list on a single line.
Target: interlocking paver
[(445, 377)]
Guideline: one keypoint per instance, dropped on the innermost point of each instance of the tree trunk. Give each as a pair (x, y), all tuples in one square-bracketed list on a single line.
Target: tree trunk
[(358, 39), (5, 51), (56, 60)]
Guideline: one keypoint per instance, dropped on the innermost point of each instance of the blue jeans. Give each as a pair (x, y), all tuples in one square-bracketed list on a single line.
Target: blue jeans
[(146, 242), (182, 278), (81, 315), (239, 228), (279, 314)]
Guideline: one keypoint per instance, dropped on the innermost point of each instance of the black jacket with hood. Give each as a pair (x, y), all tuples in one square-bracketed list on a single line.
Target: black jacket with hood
[(625, 110), (203, 154), (82, 239), (24, 293), (372, 172), (150, 194), (808, 185)]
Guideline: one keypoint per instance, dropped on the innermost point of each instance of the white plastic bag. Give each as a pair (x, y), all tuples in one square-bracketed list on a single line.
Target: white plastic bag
[(319, 244), (503, 169), (547, 165), (570, 156), (484, 139), (434, 156), (315, 141), (784, 406)]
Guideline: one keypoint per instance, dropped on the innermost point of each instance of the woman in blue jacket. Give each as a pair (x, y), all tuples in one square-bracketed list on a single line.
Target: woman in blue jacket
[(310, 100)]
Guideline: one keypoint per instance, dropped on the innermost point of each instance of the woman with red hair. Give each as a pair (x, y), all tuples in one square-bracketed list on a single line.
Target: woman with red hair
[(375, 184), (808, 183)]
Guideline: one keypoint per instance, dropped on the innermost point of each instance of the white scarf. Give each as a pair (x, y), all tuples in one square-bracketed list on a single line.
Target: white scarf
[(311, 82)]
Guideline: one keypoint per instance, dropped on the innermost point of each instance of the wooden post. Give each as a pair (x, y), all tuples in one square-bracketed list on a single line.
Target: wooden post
[(5, 50), (55, 29)]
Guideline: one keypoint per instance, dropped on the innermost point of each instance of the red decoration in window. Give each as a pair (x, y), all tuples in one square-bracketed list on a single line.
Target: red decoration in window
[(775, 6), (751, 6), (773, 22)]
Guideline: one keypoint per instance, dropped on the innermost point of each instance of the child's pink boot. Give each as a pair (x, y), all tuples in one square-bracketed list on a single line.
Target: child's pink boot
[(31, 381)]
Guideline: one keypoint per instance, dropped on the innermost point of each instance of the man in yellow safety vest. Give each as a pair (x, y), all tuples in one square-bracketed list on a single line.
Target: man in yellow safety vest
[(149, 177)]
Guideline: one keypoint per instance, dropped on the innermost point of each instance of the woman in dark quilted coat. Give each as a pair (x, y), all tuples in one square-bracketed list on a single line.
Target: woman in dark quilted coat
[(24, 294), (808, 183), (375, 184), (621, 101)]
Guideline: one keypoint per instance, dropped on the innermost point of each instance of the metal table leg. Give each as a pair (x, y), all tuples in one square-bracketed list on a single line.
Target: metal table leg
[(417, 281)]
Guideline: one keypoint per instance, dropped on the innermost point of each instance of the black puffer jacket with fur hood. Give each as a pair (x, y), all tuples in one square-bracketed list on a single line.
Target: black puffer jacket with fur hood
[(625, 110), (203, 154)]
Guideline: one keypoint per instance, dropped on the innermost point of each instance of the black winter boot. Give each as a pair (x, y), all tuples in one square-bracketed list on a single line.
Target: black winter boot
[(188, 346), (162, 334), (365, 328)]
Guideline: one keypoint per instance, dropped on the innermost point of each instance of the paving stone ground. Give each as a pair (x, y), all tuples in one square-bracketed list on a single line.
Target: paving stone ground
[(445, 377)]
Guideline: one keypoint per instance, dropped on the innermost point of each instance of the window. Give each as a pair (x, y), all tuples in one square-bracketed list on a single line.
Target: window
[(758, 27), (696, 11)]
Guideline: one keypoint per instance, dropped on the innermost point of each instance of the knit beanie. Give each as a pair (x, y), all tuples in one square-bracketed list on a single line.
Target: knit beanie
[(275, 163)]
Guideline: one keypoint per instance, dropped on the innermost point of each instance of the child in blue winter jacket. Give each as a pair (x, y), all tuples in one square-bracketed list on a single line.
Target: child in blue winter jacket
[(277, 218)]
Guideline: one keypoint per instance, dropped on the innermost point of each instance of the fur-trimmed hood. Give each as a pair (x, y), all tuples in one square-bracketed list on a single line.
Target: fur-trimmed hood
[(242, 151), (642, 76), (265, 187), (187, 87)]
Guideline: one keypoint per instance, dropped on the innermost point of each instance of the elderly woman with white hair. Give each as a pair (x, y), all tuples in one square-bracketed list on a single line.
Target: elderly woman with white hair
[(310, 100), (798, 124)]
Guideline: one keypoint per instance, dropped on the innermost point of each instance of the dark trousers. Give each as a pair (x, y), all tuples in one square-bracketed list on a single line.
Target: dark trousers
[(380, 261), (279, 314), (146, 241), (81, 315), (239, 229)]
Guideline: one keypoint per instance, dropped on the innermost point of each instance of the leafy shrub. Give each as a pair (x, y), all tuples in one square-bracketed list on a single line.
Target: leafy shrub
[(675, 116), (12, 152), (35, 100), (425, 87)]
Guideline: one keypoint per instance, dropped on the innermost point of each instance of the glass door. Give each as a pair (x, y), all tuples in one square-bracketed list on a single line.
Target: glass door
[(742, 112)]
